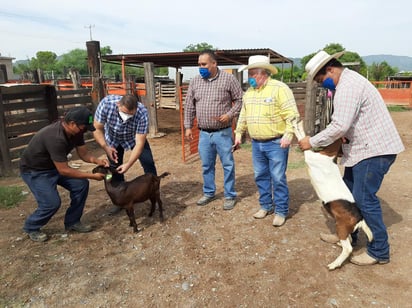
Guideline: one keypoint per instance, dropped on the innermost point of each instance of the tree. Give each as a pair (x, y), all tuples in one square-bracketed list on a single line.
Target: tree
[(74, 59), (199, 47), (379, 71), (45, 60), (352, 59)]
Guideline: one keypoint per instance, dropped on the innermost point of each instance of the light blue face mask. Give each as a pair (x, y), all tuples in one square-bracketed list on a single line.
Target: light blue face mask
[(204, 72), (329, 84), (252, 82)]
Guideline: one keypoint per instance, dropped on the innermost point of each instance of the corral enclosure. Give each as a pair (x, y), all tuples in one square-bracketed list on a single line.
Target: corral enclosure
[(25, 109)]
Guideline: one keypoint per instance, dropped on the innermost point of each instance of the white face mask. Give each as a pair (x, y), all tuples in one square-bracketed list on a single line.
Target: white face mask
[(125, 116)]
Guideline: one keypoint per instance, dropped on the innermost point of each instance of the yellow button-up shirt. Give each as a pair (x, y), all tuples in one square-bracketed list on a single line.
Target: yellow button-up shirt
[(268, 112)]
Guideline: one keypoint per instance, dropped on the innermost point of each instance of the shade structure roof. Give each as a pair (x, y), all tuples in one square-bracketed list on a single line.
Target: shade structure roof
[(225, 57)]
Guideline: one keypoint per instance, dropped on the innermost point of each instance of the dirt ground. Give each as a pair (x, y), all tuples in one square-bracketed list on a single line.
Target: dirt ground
[(204, 256)]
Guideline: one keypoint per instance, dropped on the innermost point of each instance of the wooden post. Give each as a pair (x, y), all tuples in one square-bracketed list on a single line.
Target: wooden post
[(150, 97), (93, 56), (310, 107), (178, 85), (5, 157), (51, 103)]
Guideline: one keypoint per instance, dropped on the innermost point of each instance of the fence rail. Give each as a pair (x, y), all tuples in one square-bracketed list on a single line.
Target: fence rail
[(25, 109)]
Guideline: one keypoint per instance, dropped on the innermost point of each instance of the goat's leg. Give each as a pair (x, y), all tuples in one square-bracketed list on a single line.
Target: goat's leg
[(343, 230), (159, 201), (346, 251), (153, 207), (130, 213)]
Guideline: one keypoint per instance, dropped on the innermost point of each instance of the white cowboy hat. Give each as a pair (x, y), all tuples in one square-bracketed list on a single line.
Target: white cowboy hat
[(319, 60), (259, 62)]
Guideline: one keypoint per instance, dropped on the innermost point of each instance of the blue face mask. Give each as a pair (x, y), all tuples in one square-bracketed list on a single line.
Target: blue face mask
[(252, 82), (204, 72), (329, 84)]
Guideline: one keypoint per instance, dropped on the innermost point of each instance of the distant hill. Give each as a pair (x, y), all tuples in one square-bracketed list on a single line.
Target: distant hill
[(403, 63)]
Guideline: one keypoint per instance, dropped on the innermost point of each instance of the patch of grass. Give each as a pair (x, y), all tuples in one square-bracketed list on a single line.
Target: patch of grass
[(11, 196), (397, 108), (246, 146), (296, 165)]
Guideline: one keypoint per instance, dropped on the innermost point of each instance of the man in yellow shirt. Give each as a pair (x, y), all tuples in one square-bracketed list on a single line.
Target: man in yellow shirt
[(267, 113)]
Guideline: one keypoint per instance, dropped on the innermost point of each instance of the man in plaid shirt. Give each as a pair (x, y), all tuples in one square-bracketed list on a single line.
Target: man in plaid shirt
[(214, 97), (361, 118), (121, 124)]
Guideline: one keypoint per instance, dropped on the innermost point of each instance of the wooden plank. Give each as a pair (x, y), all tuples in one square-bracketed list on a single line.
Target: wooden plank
[(82, 91), (24, 105), (22, 141), (73, 100), (26, 128), (24, 117)]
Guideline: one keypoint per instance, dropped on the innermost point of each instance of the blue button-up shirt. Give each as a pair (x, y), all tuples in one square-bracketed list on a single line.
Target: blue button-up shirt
[(116, 131)]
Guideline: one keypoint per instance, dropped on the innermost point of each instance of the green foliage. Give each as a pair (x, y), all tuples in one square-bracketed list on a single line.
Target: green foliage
[(199, 47), (377, 71), (397, 108), (10, 196), (45, 60), (74, 59), (286, 75)]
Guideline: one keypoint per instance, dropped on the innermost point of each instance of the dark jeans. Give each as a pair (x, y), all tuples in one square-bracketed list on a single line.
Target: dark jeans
[(364, 180), (146, 160), (43, 185)]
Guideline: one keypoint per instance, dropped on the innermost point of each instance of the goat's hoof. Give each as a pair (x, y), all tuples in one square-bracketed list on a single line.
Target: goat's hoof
[(333, 266)]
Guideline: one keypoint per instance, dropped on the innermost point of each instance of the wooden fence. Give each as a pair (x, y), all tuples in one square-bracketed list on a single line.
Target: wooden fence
[(25, 109)]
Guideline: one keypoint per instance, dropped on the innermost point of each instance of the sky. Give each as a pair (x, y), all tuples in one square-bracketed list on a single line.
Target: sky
[(293, 28)]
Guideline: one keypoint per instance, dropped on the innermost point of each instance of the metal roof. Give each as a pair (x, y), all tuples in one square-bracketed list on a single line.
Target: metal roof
[(225, 57)]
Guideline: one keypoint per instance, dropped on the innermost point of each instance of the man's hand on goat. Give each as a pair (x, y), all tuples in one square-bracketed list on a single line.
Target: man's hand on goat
[(304, 143), (122, 168), (97, 176), (111, 153), (102, 162)]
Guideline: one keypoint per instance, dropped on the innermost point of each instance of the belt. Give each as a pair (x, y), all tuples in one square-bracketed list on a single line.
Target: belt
[(212, 130), (267, 140)]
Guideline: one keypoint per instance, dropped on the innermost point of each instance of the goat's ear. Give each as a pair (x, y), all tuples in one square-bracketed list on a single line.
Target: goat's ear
[(112, 169)]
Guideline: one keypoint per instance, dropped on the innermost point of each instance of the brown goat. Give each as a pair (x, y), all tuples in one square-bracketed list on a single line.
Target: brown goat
[(126, 194)]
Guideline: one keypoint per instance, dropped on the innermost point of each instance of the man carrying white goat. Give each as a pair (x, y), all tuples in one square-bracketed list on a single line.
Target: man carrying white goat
[(361, 117)]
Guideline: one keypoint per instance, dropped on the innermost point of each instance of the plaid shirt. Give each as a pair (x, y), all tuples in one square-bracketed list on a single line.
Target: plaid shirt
[(361, 116), (268, 112), (115, 130), (208, 99)]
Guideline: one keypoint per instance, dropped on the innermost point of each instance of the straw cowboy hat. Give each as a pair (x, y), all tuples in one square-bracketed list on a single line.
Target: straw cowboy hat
[(319, 60), (259, 62)]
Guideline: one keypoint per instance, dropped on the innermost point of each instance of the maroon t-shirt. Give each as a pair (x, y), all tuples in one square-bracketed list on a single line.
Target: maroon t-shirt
[(49, 144)]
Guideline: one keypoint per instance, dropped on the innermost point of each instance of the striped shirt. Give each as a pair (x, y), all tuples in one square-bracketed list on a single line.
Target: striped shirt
[(208, 99), (268, 112), (117, 132), (361, 116)]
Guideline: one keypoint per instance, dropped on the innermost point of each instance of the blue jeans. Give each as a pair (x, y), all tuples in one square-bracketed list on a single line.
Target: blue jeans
[(364, 180), (43, 185), (213, 144), (269, 165), (145, 158)]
